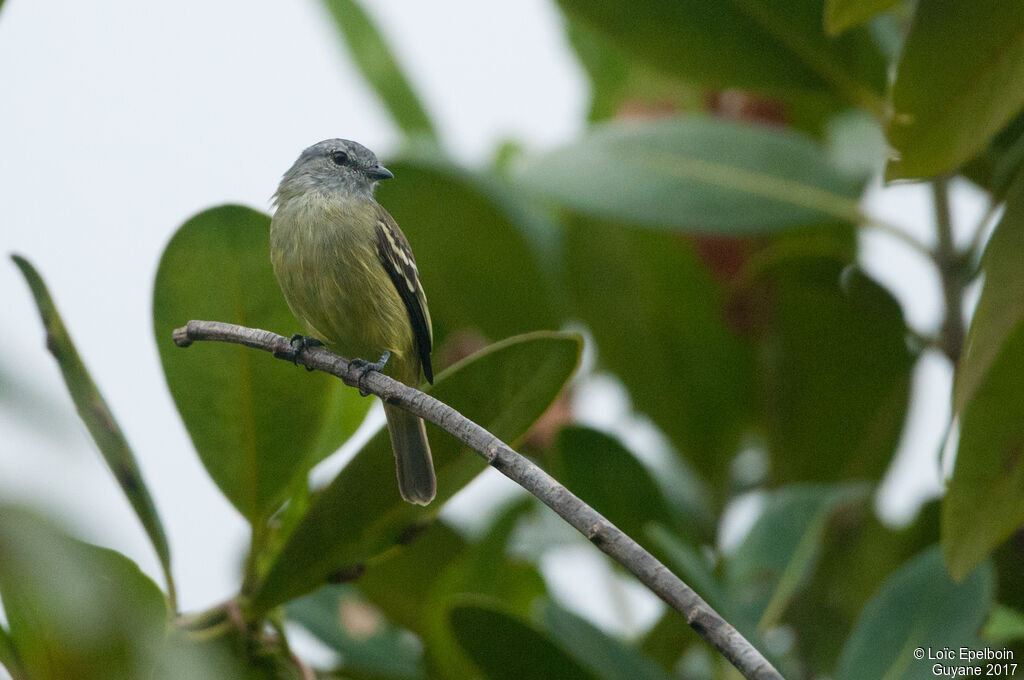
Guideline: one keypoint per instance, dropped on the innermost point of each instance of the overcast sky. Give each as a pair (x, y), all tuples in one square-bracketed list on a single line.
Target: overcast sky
[(123, 118)]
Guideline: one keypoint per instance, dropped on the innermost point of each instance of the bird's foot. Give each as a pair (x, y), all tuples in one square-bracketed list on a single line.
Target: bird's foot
[(365, 367), (300, 342)]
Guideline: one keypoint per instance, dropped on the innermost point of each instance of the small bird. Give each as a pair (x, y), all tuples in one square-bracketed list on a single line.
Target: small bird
[(348, 274)]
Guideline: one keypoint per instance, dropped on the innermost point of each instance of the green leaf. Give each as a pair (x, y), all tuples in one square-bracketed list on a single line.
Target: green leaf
[(75, 610), (618, 82), (780, 551), (743, 44), (98, 419), (696, 174), (985, 500), (256, 422), (504, 388), (658, 321), (918, 606), (485, 570), (834, 371), (505, 647), (1001, 305), (1004, 625), (957, 84), (368, 644), (668, 639), (858, 554), (415, 585), (690, 564), (1009, 562), (841, 15), (984, 503), (9, 655), (997, 166), (598, 469), (476, 262), (400, 581), (371, 54), (603, 655)]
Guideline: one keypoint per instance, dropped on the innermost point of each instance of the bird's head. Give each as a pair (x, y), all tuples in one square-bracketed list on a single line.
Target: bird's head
[(334, 166)]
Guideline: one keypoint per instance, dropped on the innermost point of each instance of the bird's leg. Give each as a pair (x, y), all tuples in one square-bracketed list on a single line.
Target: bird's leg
[(301, 342), (365, 367)]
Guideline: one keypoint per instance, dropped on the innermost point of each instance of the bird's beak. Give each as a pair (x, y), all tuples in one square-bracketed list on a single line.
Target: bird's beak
[(379, 172)]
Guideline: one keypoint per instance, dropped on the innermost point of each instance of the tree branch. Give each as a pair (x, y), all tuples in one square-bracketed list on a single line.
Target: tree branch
[(602, 533)]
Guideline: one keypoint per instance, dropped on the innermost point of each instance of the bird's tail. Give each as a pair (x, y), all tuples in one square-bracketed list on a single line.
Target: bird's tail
[(416, 480)]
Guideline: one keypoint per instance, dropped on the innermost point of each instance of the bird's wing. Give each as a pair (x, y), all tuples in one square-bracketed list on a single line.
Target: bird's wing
[(398, 261)]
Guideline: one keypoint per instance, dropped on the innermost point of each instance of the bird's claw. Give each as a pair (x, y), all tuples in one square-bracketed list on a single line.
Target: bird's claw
[(300, 342), (365, 367)]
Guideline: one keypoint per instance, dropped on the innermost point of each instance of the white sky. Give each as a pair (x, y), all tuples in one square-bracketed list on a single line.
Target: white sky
[(123, 118)]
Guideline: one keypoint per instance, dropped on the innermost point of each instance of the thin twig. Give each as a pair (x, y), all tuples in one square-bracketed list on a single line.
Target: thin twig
[(951, 276), (979, 237), (900, 234), (602, 533)]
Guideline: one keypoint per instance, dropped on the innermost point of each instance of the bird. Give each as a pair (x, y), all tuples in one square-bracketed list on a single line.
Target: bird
[(349, 276)]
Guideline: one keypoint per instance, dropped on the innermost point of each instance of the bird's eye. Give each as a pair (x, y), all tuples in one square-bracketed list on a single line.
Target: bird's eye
[(339, 157)]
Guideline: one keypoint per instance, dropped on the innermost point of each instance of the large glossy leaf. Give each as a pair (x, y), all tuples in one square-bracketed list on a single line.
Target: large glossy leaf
[(368, 644), (98, 419), (999, 164), (415, 585), (749, 44), (858, 554), (485, 570), (619, 84), (669, 638), (505, 647), (697, 174), (598, 469), (985, 501), (75, 610), (256, 422), (918, 606), (476, 262), (1009, 561), (1001, 305), (371, 54), (957, 84), (399, 583), (504, 388), (603, 655), (659, 323), (841, 15), (834, 372), (9, 655), (780, 552)]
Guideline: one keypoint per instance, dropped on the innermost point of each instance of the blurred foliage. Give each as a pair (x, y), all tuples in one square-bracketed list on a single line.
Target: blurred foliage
[(917, 606), (98, 419), (841, 15), (371, 54), (75, 610), (696, 174), (989, 381), (957, 84), (703, 230)]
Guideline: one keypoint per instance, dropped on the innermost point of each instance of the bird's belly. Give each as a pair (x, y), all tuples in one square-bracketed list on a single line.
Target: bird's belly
[(334, 283)]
